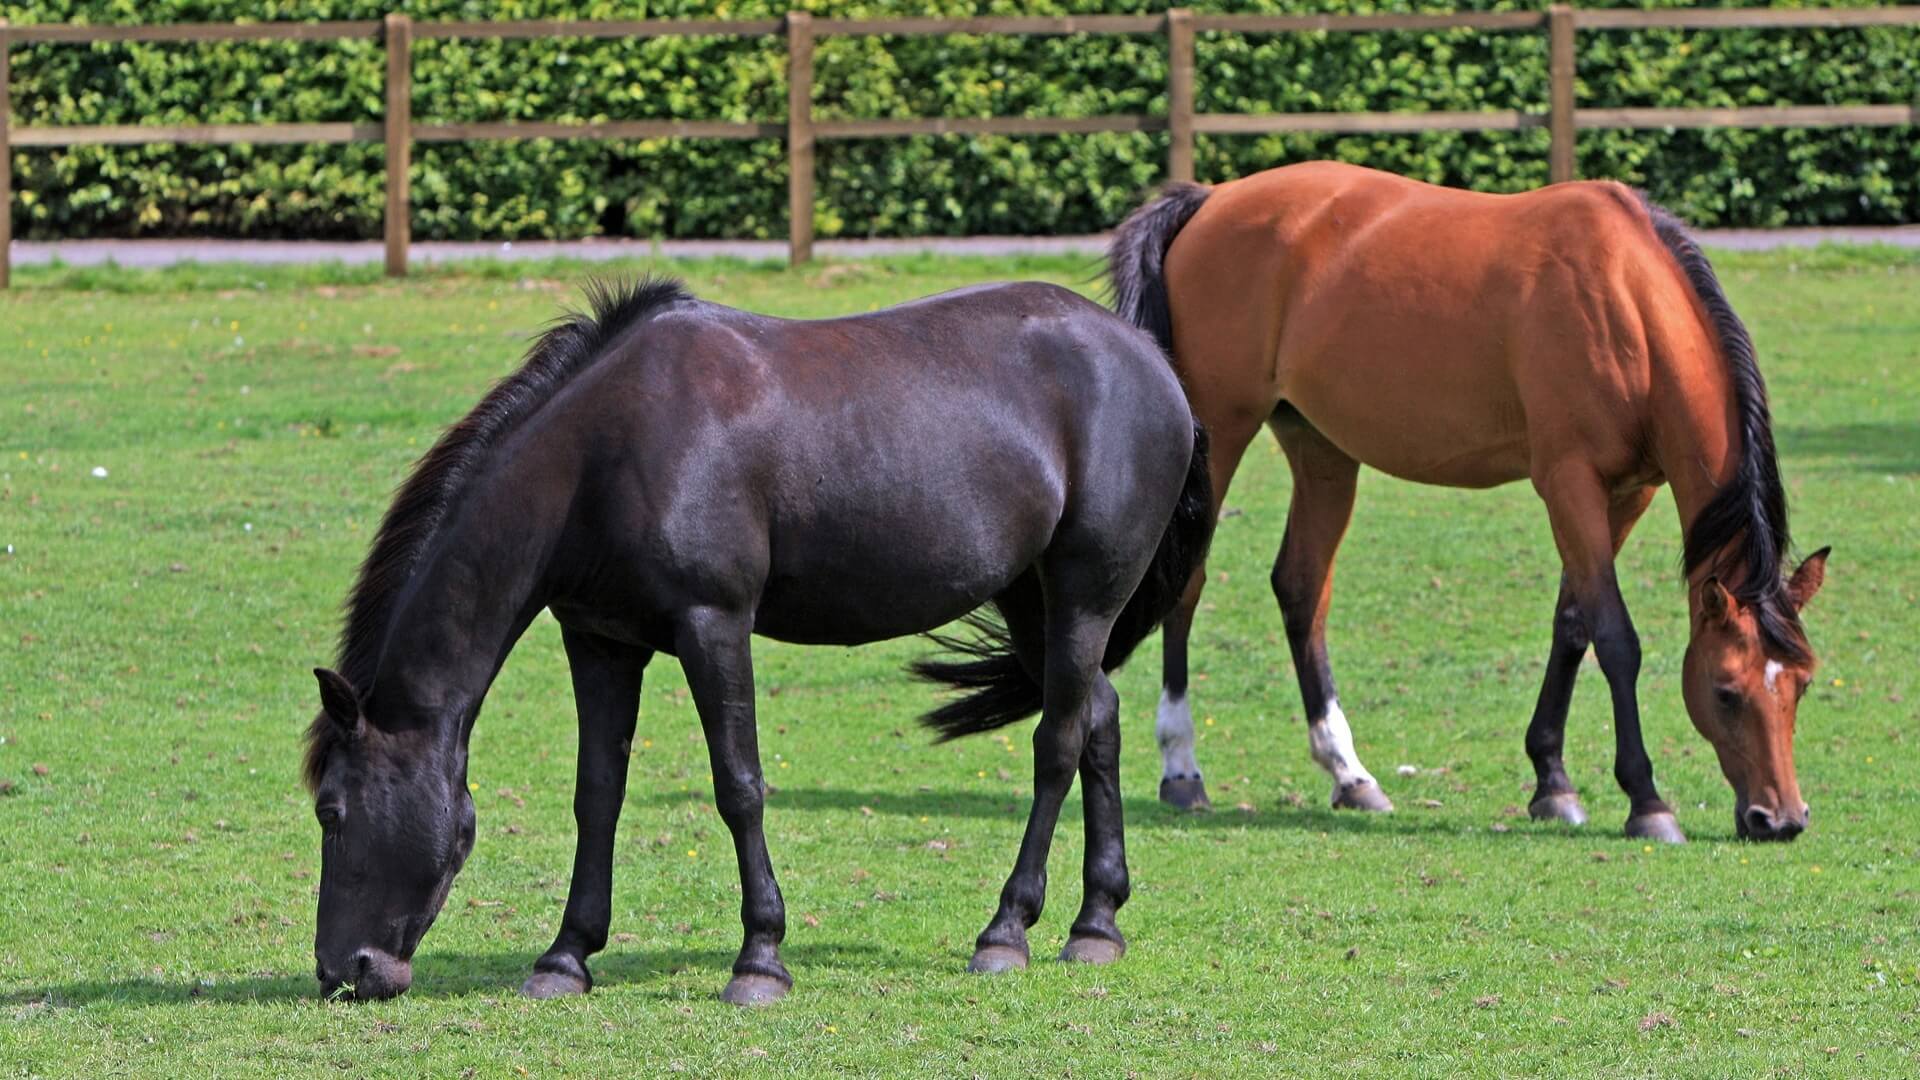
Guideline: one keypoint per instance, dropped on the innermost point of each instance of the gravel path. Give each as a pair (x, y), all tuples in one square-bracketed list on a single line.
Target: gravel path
[(156, 253)]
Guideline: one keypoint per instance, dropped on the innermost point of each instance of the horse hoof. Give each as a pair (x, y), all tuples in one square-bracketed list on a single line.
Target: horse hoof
[(552, 984), (1564, 806), (755, 989), (1365, 795), (1093, 950), (1185, 793), (990, 959), (1659, 825)]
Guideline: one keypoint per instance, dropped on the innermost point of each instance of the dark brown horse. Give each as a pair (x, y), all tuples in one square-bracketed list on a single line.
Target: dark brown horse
[(1574, 337), (672, 476)]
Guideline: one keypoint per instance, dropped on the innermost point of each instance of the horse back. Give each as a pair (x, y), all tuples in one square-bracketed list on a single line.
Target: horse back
[(926, 454), (1440, 335)]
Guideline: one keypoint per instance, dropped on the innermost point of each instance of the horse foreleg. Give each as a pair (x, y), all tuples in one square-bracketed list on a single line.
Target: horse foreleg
[(716, 652), (1323, 491), (606, 692), (1581, 513), (1555, 798)]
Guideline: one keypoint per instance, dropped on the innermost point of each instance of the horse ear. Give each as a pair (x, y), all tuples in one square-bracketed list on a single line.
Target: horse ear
[(338, 700), (1716, 603), (1808, 578)]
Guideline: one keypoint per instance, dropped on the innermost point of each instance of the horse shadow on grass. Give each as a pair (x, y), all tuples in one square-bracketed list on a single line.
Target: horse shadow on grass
[(440, 975), (1147, 814), (1888, 448)]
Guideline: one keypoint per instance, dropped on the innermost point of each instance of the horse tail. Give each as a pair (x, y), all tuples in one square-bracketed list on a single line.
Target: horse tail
[(999, 688), (1136, 260), (1183, 549)]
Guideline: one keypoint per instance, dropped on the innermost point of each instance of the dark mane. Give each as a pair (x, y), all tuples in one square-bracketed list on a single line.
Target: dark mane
[(1741, 536), (569, 346)]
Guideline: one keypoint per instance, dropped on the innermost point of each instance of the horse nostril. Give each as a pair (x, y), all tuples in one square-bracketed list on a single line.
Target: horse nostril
[(1760, 823)]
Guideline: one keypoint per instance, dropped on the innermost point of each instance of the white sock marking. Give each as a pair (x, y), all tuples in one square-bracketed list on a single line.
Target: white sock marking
[(1173, 726), (1331, 743)]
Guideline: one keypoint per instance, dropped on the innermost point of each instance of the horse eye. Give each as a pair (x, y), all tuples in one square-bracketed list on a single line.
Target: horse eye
[(1727, 696), (329, 816)]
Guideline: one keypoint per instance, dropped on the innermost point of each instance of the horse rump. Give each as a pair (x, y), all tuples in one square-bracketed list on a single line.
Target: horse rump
[(997, 689)]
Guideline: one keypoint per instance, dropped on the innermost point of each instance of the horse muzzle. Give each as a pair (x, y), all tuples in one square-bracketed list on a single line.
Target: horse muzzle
[(1760, 823), (369, 975)]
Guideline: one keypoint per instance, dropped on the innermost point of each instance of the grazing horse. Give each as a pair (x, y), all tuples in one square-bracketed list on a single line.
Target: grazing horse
[(1574, 337), (671, 476)]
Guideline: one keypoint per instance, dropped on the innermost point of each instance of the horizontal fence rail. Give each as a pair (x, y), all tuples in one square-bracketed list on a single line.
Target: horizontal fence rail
[(801, 131)]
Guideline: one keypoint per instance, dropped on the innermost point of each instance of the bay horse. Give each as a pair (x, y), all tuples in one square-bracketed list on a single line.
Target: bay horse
[(1572, 336), (667, 475)]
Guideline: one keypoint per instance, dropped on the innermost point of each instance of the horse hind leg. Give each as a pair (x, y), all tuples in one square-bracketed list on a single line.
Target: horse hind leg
[(1095, 937), (1181, 785), (1063, 641), (1324, 479)]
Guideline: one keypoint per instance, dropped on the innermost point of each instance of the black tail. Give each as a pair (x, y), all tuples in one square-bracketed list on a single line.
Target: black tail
[(1136, 285), (1000, 690)]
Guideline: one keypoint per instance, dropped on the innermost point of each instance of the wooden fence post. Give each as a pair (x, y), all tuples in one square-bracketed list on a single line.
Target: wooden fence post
[(799, 137), (1560, 70), (1179, 94), (6, 155), (399, 133)]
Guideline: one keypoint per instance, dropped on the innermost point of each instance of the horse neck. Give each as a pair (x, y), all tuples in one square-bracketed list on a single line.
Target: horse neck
[(1696, 435), (477, 586)]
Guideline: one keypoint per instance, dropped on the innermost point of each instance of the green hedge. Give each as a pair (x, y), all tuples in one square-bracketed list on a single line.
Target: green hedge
[(922, 186)]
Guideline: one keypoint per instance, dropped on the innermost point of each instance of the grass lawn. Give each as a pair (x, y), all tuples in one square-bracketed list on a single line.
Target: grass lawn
[(158, 857)]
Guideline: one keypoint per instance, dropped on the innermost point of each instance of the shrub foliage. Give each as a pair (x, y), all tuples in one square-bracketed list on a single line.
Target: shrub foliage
[(895, 187)]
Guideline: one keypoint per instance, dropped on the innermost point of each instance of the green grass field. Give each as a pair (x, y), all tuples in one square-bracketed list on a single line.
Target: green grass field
[(158, 857)]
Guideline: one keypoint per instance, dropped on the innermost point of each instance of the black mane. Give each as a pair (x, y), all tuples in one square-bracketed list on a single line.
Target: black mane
[(570, 346), (1741, 535)]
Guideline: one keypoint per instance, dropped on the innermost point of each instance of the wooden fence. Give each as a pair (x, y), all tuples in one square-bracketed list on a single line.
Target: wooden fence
[(1562, 116)]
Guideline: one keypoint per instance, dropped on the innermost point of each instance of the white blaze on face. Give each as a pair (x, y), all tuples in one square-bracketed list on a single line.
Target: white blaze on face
[(1773, 677), (1331, 743), (1173, 726)]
